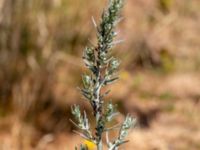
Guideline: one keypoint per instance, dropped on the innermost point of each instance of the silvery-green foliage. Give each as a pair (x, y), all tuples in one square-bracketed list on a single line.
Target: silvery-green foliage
[(82, 120), (103, 69), (82, 147), (126, 125), (110, 112)]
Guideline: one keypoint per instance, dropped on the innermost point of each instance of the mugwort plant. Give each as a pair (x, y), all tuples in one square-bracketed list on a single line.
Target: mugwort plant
[(103, 67)]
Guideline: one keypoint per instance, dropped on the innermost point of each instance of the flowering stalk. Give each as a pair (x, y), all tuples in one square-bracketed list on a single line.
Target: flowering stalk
[(103, 71)]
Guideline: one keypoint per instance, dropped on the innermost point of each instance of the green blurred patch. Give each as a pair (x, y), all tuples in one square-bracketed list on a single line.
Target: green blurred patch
[(167, 61), (166, 96), (145, 95), (169, 107), (165, 5), (162, 96), (137, 81)]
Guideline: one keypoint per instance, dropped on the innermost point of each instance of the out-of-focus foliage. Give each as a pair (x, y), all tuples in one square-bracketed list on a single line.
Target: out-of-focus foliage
[(41, 44)]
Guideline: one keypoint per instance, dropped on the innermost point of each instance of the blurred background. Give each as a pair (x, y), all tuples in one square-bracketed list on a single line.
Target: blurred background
[(41, 43)]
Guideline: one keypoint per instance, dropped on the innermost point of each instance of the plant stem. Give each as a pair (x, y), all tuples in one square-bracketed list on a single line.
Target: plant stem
[(99, 146)]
